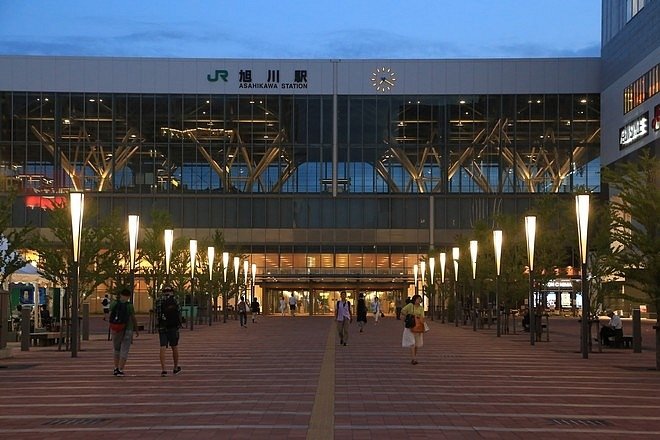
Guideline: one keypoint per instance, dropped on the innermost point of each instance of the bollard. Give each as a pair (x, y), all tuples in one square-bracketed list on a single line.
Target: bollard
[(637, 331), (85, 321), (25, 328)]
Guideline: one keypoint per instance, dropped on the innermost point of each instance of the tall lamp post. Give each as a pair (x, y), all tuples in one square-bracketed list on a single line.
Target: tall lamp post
[(193, 256), (443, 263), (168, 238), (246, 268), (225, 293), (133, 229), (423, 271), (431, 272), (210, 251), (76, 204), (254, 277), (237, 266), (530, 234), (582, 214), (455, 254), (474, 246), (497, 244), (415, 272)]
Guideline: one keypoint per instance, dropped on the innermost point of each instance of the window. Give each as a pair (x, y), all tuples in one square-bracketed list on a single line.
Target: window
[(641, 89)]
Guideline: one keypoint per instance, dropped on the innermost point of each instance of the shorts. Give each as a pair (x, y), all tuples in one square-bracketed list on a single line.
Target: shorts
[(292, 306), (168, 337)]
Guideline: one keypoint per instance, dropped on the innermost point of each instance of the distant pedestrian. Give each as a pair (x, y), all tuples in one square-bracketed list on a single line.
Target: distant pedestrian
[(123, 325), (255, 307), (361, 312), (375, 309), (398, 308), (242, 311), (343, 317), (282, 305), (105, 303), (168, 313), (292, 304), (412, 338)]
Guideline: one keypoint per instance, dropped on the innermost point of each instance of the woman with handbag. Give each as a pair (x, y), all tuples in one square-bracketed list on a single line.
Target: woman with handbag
[(413, 331)]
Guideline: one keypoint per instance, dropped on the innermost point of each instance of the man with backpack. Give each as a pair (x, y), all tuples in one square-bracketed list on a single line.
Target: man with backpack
[(122, 324), (168, 313)]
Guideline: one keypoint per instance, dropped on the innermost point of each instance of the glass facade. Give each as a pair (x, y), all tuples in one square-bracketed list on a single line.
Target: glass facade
[(192, 144)]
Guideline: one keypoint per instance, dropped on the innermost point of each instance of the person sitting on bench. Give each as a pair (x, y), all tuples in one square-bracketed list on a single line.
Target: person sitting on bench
[(614, 328)]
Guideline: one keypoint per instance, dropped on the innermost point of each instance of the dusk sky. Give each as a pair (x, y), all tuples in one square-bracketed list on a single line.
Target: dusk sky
[(302, 29)]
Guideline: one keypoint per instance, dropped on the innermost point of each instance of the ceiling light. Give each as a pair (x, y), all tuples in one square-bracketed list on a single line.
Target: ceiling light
[(462, 101)]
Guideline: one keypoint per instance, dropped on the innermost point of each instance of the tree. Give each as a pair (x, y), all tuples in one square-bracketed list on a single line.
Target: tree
[(11, 240), (97, 262), (635, 252)]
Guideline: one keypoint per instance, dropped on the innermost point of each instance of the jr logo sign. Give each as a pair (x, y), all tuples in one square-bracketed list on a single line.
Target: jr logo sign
[(219, 74)]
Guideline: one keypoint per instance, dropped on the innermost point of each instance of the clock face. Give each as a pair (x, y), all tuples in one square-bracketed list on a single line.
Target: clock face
[(383, 79)]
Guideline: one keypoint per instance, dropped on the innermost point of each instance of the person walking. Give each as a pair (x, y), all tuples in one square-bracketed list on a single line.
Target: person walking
[(292, 304), (168, 313), (105, 303), (375, 309), (343, 317), (398, 308), (282, 305), (254, 306), (242, 311), (413, 338), (123, 325), (361, 312)]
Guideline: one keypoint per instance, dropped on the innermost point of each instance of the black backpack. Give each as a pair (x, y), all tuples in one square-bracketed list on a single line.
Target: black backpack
[(119, 316), (170, 316)]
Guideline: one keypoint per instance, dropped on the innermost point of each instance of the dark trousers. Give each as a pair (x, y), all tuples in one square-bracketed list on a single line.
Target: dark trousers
[(243, 317), (398, 313)]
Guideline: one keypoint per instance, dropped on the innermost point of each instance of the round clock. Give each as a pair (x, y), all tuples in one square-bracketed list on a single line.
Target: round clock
[(383, 79)]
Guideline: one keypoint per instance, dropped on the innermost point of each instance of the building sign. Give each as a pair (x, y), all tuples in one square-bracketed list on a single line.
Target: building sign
[(656, 118), (633, 131), (263, 79)]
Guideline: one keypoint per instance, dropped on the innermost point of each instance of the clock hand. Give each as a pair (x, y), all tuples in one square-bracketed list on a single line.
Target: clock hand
[(389, 82)]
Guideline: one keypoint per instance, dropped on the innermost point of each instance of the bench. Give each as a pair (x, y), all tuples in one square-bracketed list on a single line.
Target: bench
[(44, 338)]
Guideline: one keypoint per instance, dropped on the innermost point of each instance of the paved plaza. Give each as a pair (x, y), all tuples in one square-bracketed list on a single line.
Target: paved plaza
[(289, 378)]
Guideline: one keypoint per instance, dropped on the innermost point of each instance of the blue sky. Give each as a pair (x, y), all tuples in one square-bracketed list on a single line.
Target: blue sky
[(302, 29)]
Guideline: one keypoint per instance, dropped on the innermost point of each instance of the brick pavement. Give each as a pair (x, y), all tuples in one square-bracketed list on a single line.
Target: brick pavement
[(289, 378)]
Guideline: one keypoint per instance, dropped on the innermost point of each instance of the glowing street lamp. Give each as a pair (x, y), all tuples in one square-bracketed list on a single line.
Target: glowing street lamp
[(455, 254), (432, 301), (474, 246), (443, 263), (237, 265), (415, 272), (530, 234), (225, 263), (76, 205), (210, 251), (582, 215), (254, 277), (168, 238), (423, 271), (497, 244), (193, 257), (133, 230)]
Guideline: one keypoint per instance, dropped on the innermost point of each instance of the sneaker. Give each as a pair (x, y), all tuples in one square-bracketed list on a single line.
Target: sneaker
[(115, 372), (176, 371), (344, 344), (163, 373), (341, 342), (119, 373)]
